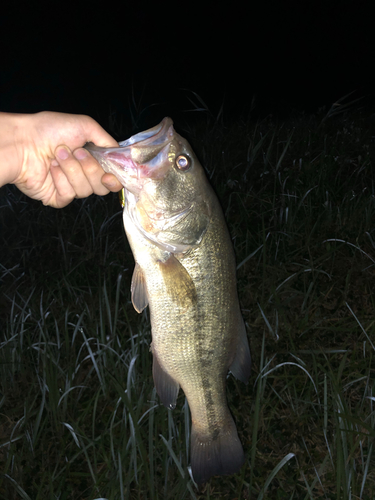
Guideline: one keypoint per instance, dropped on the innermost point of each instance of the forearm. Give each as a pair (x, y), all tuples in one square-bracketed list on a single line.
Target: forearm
[(10, 150)]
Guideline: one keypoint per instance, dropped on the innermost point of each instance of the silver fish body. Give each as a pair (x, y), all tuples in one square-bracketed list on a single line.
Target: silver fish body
[(185, 271)]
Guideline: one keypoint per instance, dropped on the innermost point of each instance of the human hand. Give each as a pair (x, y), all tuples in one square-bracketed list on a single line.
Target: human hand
[(46, 161)]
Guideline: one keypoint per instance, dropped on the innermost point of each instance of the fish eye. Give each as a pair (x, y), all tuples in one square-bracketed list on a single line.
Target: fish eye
[(183, 162)]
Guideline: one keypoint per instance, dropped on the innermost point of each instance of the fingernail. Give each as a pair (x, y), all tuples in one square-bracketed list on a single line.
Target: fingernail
[(62, 153), (80, 154), (109, 184)]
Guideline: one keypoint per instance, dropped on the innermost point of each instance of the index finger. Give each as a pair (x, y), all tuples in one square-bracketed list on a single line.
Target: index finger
[(96, 134)]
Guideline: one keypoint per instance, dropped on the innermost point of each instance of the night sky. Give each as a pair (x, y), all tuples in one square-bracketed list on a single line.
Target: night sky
[(92, 60)]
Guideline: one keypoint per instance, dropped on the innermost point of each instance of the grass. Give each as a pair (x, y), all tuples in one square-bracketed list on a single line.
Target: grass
[(79, 417)]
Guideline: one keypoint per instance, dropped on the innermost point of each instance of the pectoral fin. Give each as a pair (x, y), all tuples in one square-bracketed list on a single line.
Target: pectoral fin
[(241, 364), (178, 283), (166, 387), (138, 289)]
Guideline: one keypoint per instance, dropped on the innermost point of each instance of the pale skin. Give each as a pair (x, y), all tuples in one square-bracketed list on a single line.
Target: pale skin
[(42, 155)]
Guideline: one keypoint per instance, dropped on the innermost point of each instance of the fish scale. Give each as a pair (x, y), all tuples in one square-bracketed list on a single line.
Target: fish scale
[(185, 273)]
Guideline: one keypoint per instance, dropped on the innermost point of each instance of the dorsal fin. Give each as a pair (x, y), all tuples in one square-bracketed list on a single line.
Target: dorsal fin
[(241, 364)]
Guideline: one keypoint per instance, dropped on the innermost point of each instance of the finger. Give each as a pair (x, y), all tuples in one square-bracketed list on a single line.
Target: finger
[(111, 182), (74, 172), (96, 134), (92, 170), (63, 193)]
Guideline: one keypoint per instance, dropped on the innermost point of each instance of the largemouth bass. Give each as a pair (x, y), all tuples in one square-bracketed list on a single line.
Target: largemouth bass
[(185, 272)]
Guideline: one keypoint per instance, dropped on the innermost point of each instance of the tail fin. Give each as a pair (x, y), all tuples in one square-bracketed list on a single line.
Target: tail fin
[(216, 454)]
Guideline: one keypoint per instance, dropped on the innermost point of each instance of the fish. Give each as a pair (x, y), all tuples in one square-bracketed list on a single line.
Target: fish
[(185, 272)]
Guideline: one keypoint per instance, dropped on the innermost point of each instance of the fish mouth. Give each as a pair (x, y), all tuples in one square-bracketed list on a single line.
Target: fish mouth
[(142, 156)]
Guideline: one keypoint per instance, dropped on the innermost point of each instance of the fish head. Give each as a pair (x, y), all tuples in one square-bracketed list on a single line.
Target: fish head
[(165, 185)]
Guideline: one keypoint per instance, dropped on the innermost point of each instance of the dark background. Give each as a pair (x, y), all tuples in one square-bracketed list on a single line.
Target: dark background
[(112, 60)]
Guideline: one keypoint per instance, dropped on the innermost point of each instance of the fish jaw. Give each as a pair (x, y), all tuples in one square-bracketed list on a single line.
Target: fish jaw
[(139, 159)]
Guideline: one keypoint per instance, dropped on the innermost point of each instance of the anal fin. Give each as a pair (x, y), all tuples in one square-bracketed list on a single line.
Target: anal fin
[(166, 387)]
